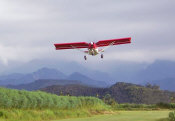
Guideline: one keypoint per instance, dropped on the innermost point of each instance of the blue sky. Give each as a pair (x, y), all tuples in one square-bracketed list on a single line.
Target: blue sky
[(29, 28)]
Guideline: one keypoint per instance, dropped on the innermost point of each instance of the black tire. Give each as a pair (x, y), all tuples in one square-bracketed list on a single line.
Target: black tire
[(102, 56), (85, 58)]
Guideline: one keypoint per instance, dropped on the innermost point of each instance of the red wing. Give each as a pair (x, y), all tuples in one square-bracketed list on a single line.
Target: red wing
[(102, 43), (75, 45)]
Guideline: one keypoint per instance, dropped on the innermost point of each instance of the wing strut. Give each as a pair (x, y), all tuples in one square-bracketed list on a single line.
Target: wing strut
[(111, 44), (77, 48)]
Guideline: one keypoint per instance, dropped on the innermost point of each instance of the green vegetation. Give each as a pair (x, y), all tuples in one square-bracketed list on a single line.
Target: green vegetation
[(172, 116), (127, 116), (109, 100), (128, 106), (40, 100), (20, 105), (166, 105), (16, 105), (41, 115)]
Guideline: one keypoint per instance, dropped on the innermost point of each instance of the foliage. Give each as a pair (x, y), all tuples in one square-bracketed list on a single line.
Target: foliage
[(127, 106), (40, 115), (166, 105), (109, 100), (130, 106), (172, 116), (20, 99)]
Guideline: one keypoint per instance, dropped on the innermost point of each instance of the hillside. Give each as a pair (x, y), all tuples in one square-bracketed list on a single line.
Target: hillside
[(41, 83), (121, 92), (166, 84), (158, 70), (86, 80), (131, 93)]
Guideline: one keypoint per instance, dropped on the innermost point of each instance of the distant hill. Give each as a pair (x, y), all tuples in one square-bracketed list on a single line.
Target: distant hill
[(44, 73), (121, 92), (165, 84), (6, 79), (157, 71), (75, 78), (12, 76), (142, 72), (160, 72), (42, 83), (126, 92), (86, 80)]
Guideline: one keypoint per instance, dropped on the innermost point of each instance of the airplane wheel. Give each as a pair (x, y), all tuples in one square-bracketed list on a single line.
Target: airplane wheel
[(85, 58), (101, 55)]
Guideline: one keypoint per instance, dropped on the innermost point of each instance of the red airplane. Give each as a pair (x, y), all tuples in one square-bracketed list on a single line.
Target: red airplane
[(93, 47)]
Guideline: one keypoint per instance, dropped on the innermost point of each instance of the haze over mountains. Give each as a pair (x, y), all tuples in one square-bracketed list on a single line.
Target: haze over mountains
[(46, 76), (160, 72)]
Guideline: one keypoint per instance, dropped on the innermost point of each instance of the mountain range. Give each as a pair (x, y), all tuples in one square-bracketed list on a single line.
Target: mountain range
[(47, 77), (44, 73), (105, 73)]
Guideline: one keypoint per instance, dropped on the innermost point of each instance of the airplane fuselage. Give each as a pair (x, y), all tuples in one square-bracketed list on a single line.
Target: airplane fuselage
[(92, 49)]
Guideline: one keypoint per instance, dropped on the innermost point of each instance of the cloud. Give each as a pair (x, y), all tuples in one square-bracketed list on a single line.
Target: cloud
[(30, 28), (20, 53), (142, 55)]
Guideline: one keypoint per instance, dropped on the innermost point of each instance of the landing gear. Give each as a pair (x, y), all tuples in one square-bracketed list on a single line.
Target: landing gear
[(85, 58), (102, 56)]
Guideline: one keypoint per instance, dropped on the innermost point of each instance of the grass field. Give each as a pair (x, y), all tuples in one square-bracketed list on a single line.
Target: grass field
[(127, 116)]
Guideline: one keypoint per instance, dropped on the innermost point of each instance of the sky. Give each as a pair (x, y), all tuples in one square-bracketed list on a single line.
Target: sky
[(29, 28)]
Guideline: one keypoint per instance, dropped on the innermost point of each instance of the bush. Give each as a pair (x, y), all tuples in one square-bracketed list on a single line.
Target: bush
[(172, 116), (166, 105), (127, 106), (107, 99)]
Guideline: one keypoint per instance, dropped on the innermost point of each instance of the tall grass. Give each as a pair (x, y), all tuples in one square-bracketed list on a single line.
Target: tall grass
[(40, 115), (20, 105), (20, 99)]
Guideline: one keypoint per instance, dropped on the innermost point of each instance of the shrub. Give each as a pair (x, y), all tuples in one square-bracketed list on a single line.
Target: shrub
[(166, 105), (127, 106), (172, 116)]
